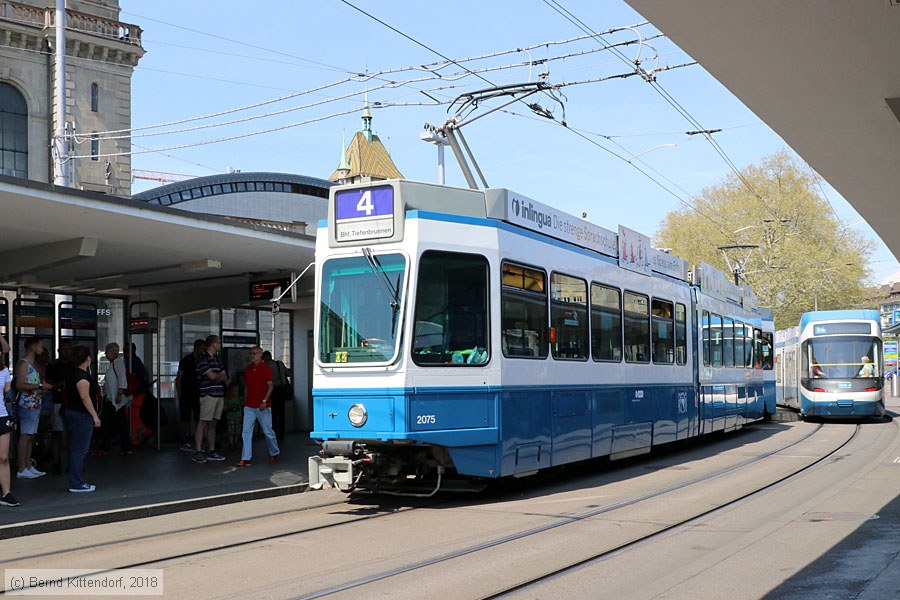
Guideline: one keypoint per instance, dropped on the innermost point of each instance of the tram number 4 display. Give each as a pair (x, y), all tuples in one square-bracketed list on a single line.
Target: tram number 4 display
[(364, 214)]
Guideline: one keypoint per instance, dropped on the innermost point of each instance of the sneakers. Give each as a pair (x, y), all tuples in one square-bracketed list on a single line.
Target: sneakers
[(29, 473), (84, 488), (215, 456), (186, 447), (274, 459), (199, 457), (9, 500), (243, 463)]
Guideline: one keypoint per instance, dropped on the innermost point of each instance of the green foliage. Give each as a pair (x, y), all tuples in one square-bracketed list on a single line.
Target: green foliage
[(805, 255)]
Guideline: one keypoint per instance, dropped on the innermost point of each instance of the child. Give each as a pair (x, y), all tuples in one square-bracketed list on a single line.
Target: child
[(234, 414)]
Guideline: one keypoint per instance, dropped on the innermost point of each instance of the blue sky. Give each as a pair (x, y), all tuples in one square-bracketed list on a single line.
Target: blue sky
[(207, 56)]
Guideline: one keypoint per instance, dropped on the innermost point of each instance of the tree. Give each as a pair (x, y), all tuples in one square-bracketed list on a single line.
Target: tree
[(805, 256)]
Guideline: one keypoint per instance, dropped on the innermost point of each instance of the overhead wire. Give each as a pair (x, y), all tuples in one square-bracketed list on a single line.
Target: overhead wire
[(569, 16), (584, 137), (124, 132)]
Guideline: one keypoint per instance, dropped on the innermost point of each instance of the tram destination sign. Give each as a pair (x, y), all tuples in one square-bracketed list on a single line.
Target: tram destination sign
[(363, 214)]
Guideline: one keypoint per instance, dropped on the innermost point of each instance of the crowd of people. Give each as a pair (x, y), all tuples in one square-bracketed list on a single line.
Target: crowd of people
[(63, 395), (206, 395), (77, 411)]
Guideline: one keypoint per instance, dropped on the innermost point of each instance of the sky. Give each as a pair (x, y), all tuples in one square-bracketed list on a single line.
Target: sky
[(208, 57)]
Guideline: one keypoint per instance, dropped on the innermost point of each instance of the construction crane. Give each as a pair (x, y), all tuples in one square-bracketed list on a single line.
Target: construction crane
[(160, 176)]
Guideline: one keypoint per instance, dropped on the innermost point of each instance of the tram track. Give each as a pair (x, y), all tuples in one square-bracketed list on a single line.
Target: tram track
[(672, 528), (360, 516), (584, 516)]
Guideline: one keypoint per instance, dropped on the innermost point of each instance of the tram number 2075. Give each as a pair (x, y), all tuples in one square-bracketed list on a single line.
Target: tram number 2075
[(425, 420)]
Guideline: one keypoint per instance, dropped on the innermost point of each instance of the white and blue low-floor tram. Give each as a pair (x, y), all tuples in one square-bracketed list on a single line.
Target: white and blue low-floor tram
[(467, 335), (830, 366)]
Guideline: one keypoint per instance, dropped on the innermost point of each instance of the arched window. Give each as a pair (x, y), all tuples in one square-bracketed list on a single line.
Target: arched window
[(13, 132), (95, 97)]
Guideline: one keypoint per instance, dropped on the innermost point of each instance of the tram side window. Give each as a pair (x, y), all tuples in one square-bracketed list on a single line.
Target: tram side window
[(523, 312), (715, 339), (706, 351), (748, 346), (739, 344), (637, 328), (606, 323), (662, 316), (680, 334), (568, 317), (451, 314), (728, 343)]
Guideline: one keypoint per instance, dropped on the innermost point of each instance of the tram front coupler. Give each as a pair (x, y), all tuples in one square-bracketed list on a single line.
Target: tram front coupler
[(337, 466)]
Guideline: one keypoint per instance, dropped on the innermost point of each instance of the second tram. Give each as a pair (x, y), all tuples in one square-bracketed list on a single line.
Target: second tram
[(830, 366)]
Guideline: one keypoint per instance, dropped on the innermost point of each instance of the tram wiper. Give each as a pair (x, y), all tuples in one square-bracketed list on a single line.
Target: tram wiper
[(393, 291)]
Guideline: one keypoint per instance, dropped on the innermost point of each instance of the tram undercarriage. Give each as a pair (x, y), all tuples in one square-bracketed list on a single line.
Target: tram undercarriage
[(385, 468)]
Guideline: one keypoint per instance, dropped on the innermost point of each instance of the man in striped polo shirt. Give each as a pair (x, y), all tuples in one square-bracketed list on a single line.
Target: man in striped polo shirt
[(211, 380)]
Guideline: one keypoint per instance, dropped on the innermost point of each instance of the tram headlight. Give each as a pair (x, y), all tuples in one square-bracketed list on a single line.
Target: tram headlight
[(357, 415)]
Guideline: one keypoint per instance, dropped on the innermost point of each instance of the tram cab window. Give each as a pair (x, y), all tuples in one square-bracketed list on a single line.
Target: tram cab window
[(728, 342), (680, 334), (637, 328), (568, 317), (663, 331), (606, 323), (766, 350), (451, 314), (361, 305), (523, 312)]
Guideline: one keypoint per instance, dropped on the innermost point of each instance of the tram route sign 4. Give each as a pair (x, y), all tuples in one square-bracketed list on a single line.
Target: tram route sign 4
[(363, 214)]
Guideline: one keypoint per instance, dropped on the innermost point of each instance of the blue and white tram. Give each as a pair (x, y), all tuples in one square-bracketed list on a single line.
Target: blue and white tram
[(479, 334), (831, 365)]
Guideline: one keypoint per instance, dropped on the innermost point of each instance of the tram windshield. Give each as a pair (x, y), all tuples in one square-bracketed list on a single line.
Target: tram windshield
[(842, 357), (360, 301)]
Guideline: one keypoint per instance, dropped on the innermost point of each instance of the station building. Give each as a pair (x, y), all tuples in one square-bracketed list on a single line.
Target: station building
[(167, 266)]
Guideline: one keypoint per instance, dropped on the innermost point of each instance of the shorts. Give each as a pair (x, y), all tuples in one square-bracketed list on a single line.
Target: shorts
[(56, 420), (235, 424), (28, 420), (189, 406), (6, 425), (211, 408)]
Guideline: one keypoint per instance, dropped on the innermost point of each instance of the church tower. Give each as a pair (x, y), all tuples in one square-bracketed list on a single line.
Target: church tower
[(366, 159), (101, 54)]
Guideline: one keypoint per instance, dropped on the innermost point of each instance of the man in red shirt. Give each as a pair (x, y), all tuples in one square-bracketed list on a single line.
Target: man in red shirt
[(258, 407)]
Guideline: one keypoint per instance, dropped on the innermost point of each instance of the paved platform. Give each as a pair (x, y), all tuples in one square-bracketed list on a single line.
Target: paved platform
[(153, 482)]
